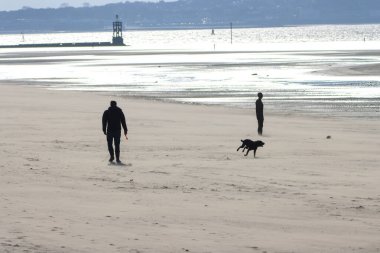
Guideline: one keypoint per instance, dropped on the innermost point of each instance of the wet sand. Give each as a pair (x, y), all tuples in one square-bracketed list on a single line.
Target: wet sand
[(357, 70), (183, 187), (303, 81)]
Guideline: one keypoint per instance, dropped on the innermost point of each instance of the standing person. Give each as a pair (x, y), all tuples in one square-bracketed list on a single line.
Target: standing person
[(260, 113), (112, 120)]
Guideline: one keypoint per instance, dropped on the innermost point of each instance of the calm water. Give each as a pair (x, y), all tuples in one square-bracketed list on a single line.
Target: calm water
[(196, 67)]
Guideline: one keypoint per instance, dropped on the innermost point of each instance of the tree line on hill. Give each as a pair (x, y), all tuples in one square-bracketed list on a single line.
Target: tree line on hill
[(192, 14)]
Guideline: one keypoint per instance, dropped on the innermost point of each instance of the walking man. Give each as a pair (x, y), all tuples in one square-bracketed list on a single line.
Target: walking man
[(260, 113), (112, 120)]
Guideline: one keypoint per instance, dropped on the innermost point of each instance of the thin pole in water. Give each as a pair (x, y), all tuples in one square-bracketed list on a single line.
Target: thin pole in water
[(231, 31)]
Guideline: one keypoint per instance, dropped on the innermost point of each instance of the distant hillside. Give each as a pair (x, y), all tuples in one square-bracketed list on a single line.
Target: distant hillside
[(193, 13)]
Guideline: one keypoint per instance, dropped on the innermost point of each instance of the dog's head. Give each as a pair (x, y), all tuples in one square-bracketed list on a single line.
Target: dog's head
[(260, 143)]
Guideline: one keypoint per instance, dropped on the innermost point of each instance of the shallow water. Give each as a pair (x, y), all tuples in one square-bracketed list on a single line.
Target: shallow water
[(195, 67)]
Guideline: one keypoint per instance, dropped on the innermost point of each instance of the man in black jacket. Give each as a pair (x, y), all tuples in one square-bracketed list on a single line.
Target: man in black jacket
[(113, 119), (260, 113)]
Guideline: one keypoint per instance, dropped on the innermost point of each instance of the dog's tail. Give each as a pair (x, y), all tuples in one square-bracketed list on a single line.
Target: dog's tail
[(241, 140)]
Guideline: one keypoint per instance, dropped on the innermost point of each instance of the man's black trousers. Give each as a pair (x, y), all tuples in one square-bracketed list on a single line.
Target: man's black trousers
[(261, 125), (114, 137)]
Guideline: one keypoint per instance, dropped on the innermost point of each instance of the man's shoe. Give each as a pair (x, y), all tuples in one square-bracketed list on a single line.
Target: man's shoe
[(111, 159), (118, 161)]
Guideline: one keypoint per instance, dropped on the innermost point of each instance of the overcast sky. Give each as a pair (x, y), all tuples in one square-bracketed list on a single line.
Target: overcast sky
[(6, 5)]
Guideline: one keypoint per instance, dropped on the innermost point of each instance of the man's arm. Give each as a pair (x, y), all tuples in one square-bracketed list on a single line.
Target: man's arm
[(104, 122), (123, 123)]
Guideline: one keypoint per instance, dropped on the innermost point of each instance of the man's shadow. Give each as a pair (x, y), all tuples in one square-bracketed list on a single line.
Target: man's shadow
[(120, 164)]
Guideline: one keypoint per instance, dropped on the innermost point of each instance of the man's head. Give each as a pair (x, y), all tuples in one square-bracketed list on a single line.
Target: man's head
[(260, 95), (113, 103)]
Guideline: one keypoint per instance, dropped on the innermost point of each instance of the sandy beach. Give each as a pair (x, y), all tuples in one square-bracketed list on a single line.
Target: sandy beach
[(183, 187)]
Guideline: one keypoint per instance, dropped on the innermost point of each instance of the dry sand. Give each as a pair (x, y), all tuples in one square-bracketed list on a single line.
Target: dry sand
[(184, 187)]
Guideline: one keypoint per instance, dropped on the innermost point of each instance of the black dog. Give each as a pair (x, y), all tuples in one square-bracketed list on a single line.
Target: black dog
[(250, 145)]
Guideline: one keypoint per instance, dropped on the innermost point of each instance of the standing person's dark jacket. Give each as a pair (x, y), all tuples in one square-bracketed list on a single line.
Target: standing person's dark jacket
[(113, 119)]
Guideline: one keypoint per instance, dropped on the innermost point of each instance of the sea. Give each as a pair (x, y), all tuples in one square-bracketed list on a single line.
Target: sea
[(315, 70)]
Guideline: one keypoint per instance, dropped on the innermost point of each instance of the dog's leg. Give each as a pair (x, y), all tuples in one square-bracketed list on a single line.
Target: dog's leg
[(244, 149), (254, 153), (242, 145), (247, 152)]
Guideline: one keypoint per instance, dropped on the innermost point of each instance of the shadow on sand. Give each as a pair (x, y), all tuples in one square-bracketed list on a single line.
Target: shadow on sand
[(120, 164)]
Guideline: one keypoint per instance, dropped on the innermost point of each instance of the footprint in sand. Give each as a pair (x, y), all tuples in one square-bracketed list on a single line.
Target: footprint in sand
[(33, 159)]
